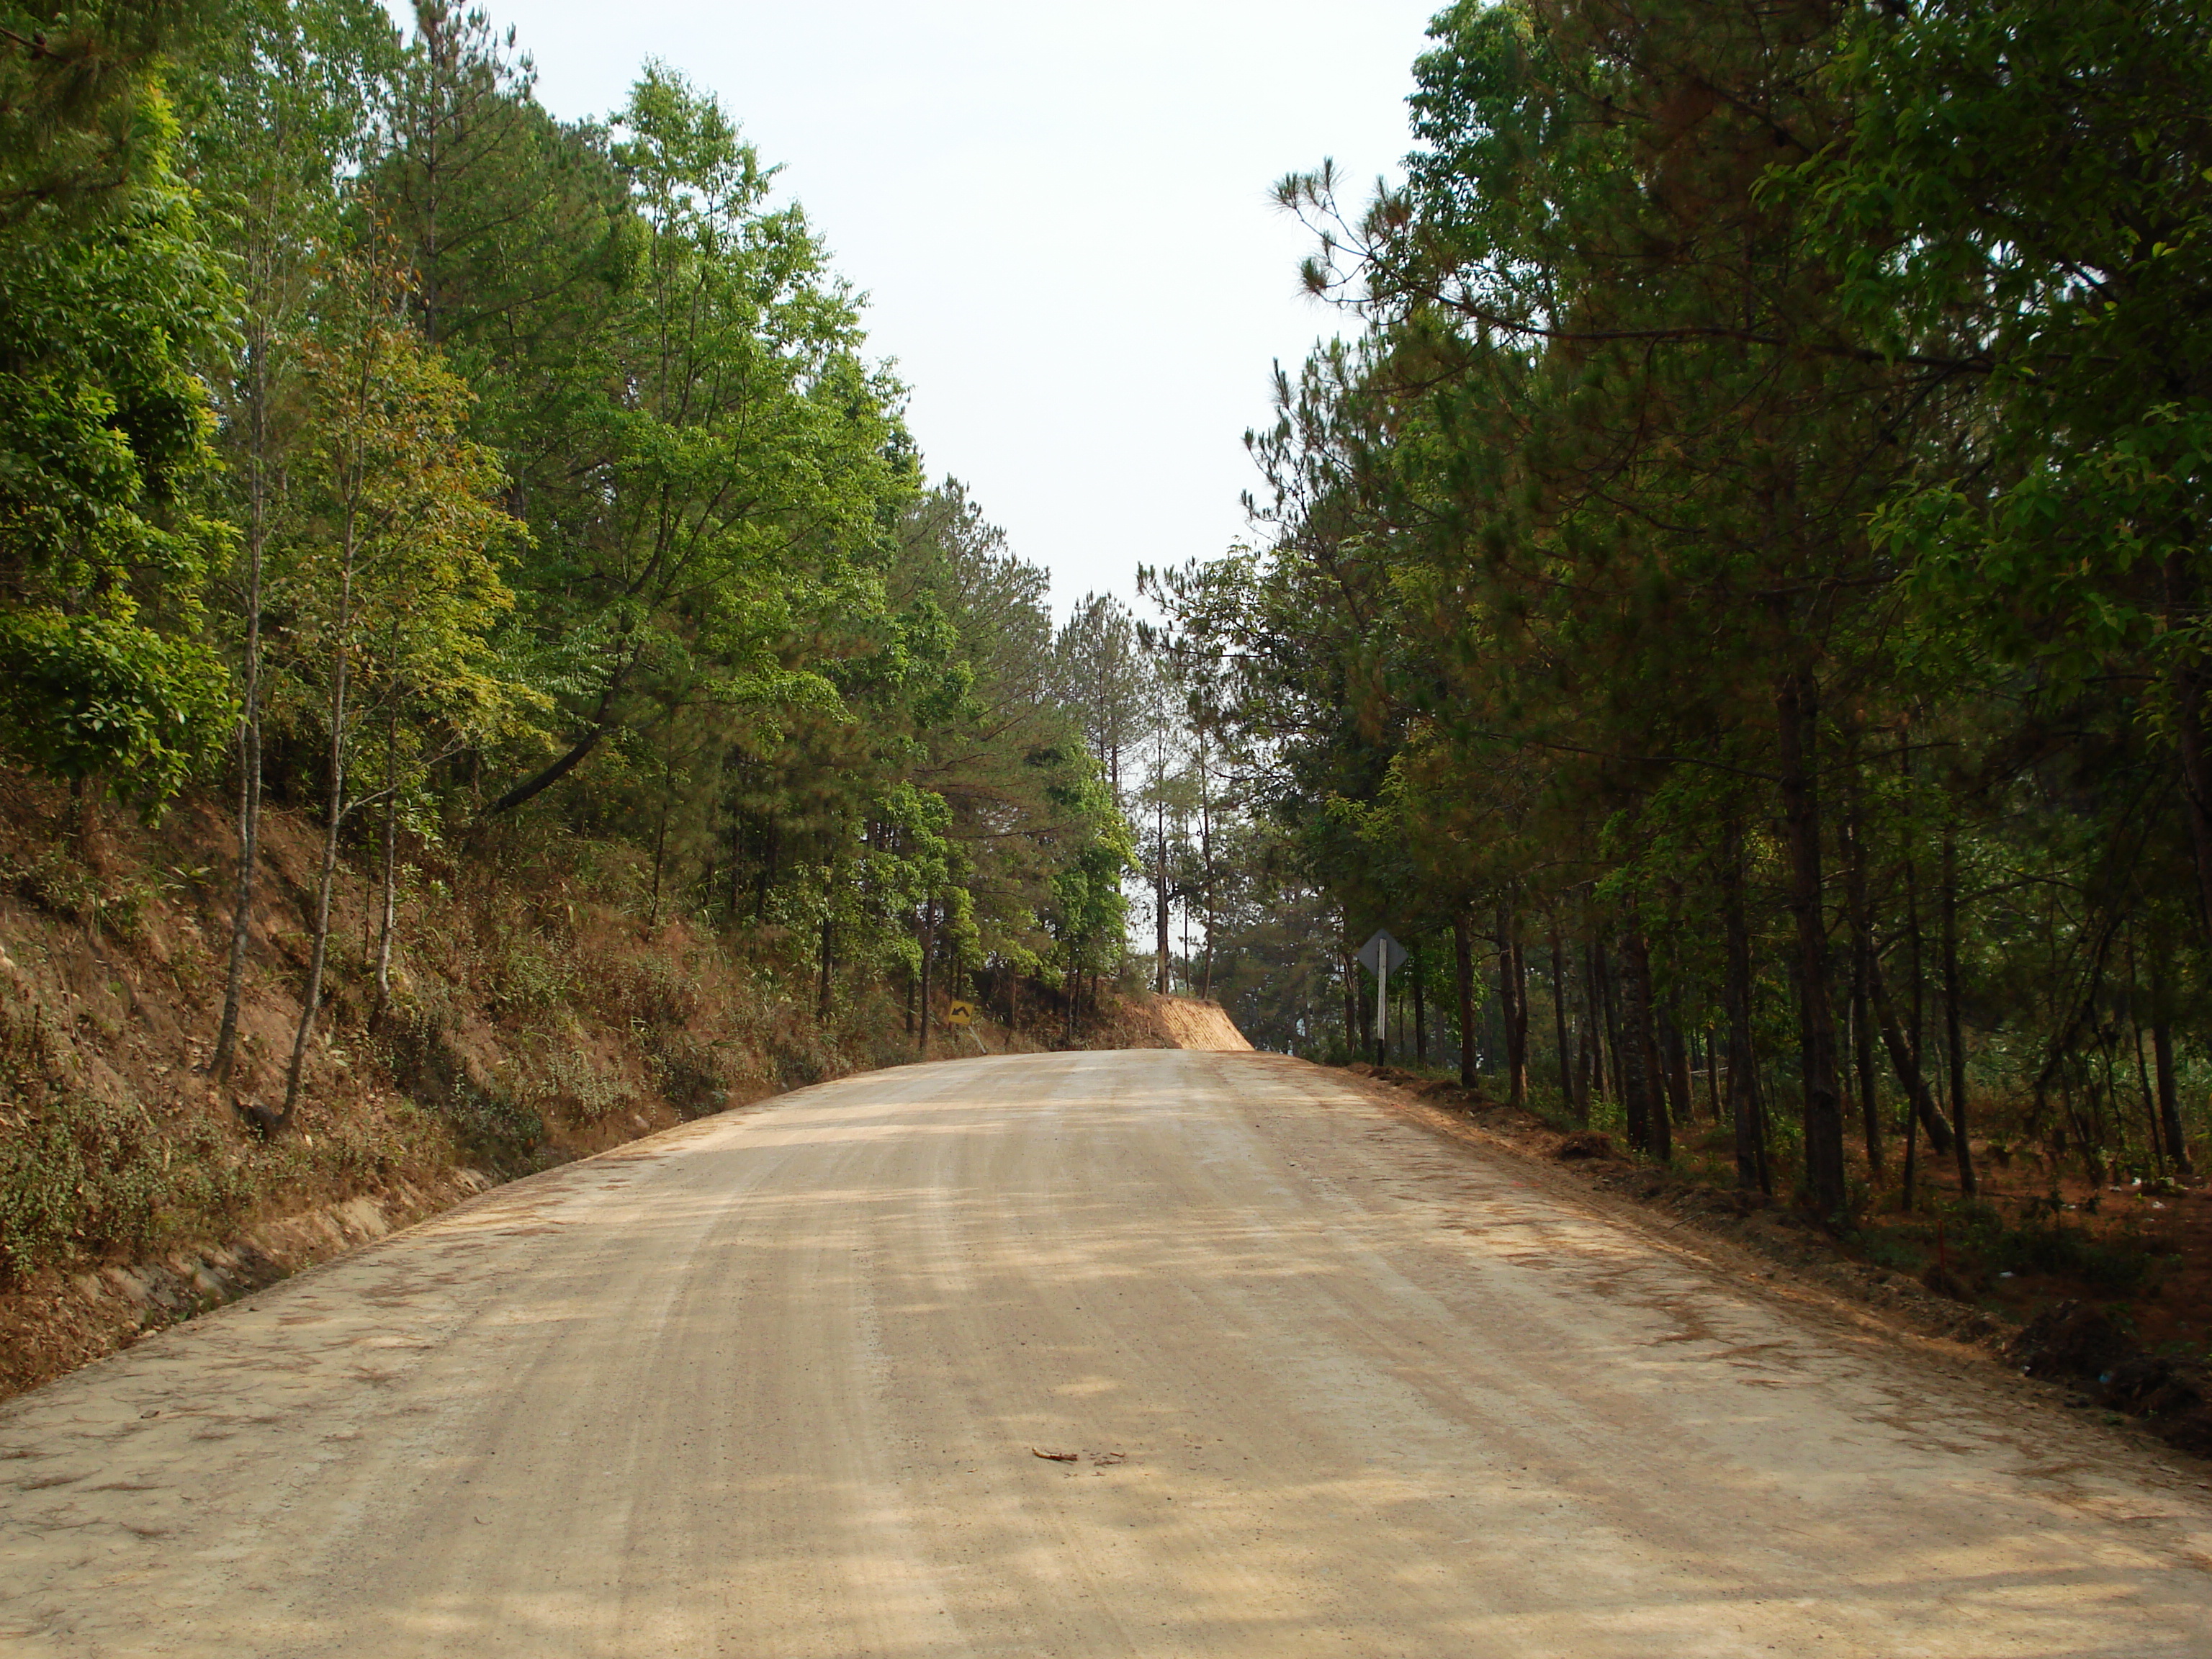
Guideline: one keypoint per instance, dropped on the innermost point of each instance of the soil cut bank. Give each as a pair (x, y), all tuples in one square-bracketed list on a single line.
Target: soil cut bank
[(536, 1017)]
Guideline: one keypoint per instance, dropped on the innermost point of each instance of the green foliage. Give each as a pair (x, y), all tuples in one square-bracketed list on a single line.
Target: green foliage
[(105, 294), (455, 462), (1749, 569)]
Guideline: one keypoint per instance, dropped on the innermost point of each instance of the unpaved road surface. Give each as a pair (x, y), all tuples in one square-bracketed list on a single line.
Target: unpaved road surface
[(769, 1386)]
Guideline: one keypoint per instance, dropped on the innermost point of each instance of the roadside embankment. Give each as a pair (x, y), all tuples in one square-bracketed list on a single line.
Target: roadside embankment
[(2080, 1345), (542, 1008)]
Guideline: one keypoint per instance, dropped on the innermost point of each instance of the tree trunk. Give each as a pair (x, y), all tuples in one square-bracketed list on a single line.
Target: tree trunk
[(1862, 1037), (1512, 1006), (2151, 1118), (1592, 1059), (1348, 971), (1559, 1020), (1674, 1055), (387, 904), (1614, 1076), (1205, 856), (822, 997), (241, 909), (2169, 1095), (2189, 733), (533, 787), (1463, 967), (1364, 1006), (1909, 1072), (1420, 1011), (1648, 1128), (249, 723), (1953, 1025), (928, 944), (1797, 711), (1163, 923), (1744, 1105), (333, 820)]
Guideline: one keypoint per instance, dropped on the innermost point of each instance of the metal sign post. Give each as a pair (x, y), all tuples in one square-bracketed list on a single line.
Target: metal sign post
[(963, 1014), (1379, 956)]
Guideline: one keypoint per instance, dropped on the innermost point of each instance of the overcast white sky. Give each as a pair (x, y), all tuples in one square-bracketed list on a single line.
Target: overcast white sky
[(1060, 213)]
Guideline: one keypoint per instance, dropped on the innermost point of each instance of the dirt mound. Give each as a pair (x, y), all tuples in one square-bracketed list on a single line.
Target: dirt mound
[(1188, 1022)]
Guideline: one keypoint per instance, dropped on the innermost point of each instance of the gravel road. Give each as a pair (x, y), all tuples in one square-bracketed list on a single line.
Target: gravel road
[(772, 1385)]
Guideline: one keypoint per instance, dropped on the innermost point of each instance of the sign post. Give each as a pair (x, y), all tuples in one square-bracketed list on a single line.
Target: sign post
[(963, 1014), (1379, 956)]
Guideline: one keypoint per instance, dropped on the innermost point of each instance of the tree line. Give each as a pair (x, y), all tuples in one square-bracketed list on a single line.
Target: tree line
[(380, 447), (1737, 597)]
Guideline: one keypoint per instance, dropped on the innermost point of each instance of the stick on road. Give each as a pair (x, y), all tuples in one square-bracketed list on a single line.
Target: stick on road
[(773, 1385)]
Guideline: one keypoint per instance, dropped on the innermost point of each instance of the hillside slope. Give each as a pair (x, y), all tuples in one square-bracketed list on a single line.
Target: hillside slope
[(537, 1017), (1190, 1022)]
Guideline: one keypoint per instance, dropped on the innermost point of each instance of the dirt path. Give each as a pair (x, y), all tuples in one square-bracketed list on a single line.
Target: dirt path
[(769, 1386)]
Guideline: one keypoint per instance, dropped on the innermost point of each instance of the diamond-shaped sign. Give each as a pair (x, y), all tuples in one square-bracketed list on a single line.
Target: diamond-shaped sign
[(1381, 954)]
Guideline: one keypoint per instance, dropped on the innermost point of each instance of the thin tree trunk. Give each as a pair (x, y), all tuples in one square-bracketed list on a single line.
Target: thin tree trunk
[(388, 898), (1593, 1042), (1674, 1056), (530, 788), (928, 943), (1363, 1010), (1642, 1095), (1797, 710), (1463, 968), (2157, 1129), (822, 998), (1163, 923), (2169, 1095), (1559, 1020), (1750, 1167), (1204, 854), (2189, 732), (1862, 1037), (1911, 1177), (1953, 1031), (1420, 1011), (1513, 1007), (249, 724), (333, 820), (241, 911), (1614, 1074), (1348, 969), (1910, 1072)]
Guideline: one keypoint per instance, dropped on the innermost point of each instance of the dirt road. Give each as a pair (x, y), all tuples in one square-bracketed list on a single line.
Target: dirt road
[(769, 1386)]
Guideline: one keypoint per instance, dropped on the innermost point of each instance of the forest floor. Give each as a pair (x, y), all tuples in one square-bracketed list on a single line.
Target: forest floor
[(2106, 1294), (541, 1014)]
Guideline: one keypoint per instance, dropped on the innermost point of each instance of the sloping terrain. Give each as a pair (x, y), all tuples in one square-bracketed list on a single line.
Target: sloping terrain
[(541, 1012), (1191, 1023)]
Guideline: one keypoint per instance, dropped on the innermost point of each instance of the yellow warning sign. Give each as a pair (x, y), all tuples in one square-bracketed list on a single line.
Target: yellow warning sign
[(960, 1013)]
